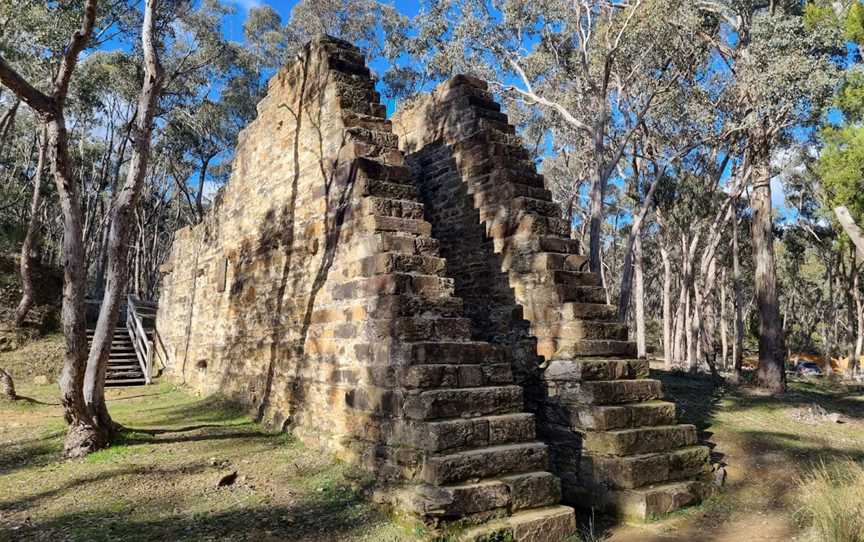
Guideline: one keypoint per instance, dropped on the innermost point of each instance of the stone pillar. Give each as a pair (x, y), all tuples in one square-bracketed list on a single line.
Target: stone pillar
[(613, 441)]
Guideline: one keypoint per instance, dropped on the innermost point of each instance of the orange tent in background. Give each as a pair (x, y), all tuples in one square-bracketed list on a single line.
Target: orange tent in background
[(838, 365)]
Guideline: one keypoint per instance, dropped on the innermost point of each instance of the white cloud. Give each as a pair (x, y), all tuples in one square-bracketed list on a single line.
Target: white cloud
[(247, 5)]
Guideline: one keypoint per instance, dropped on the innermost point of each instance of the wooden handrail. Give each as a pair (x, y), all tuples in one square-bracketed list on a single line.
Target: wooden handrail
[(143, 345)]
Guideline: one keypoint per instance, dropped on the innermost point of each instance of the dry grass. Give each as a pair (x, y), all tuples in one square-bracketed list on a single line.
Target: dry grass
[(832, 501)]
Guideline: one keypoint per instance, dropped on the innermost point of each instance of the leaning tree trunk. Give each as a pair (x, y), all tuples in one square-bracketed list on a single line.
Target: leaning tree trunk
[(117, 275), (26, 267), (772, 354)]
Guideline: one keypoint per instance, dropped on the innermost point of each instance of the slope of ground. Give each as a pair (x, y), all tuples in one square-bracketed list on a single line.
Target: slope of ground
[(767, 443), (161, 482)]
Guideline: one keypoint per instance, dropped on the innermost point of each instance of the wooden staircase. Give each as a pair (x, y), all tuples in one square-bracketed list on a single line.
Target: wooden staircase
[(130, 362)]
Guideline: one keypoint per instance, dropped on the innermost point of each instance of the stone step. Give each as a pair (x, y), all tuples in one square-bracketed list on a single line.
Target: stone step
[(456, 376), (582, 369), (525, 226), (652, 502), (396, 208), (548, 524), (581, 294), (569, 349), (398, 242), (562, 245), (416, 329), (356, 119), (402, 305), (463, 402), (368, 168), (546, 261), (458, 434), (640, 440), (386, 189), (459, 501), (636, 471), (346, 66), (514, 206), (391, 224), (581, 329), (605, 392), (610, 417), (572, 279), (487, 190), (394, 284), (457, 353), (383, 139), (393, 262), (485, 462)]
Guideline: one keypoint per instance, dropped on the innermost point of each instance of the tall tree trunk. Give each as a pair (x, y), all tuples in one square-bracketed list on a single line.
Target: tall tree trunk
[(27, 247), (83, 435), (724, 319), (668, 350), (738, 302), (121, 225), (772, 352), (639, 291), (859, 313)]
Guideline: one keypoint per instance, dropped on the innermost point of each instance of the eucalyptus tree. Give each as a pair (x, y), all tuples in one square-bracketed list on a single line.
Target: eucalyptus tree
[(125, 202), (83, 435), (780, 73), (595, 67)]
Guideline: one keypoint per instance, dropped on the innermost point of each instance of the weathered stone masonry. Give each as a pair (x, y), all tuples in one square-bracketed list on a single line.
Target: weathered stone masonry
[(613, 440), (314, 292)]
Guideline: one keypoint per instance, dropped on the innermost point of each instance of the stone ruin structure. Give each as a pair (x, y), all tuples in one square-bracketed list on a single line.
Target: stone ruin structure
[(407, 296)]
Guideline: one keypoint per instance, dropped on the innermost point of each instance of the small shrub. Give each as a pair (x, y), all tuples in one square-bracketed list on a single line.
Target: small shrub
[(832, 501)]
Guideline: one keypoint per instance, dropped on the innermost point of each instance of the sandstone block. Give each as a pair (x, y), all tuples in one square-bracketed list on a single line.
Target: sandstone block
[(485, 462), (640, 440), (454, 403), (640, 470)]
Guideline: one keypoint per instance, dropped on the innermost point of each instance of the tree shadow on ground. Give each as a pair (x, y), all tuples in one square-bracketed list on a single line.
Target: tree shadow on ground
[(336, 511), (35, 452), (767, 451)]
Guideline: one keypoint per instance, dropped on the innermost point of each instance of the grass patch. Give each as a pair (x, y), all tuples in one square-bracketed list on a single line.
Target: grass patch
[(832, 501)]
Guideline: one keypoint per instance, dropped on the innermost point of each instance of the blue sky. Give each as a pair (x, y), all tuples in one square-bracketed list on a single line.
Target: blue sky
[(234, 24), (233, 29)]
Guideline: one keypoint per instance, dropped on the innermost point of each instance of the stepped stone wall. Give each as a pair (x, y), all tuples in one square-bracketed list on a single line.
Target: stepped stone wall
[(613, 441), (314, 292)]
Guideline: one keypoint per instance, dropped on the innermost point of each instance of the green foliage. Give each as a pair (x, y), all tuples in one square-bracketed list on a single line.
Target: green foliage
[(854, 24), (841, 167)]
